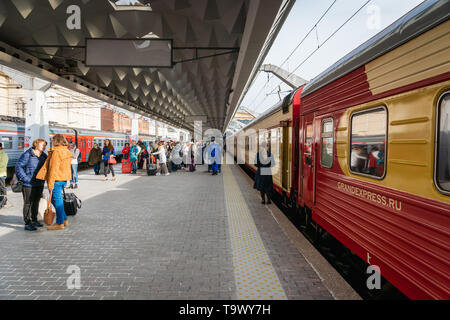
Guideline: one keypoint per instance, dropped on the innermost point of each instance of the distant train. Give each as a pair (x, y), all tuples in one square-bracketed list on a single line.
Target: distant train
[(364, 152), (12, 135)]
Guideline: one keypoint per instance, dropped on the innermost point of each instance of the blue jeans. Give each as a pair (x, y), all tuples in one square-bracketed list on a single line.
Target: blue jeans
[(57, 201), (74, 173), (97, 167), (134, 165), (215, 167)]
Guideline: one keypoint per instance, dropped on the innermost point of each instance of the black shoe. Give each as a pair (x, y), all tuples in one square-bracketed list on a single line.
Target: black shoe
[(37, 224), (263, 202), (30, 227), (75, 186), (269, 202), (71, 186)]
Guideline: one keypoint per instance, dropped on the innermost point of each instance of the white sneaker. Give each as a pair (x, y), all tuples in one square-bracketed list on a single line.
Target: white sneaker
[(167, 174), (158, 174)]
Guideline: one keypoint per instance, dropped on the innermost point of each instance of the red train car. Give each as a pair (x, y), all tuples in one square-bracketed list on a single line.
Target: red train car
[(364, 151)]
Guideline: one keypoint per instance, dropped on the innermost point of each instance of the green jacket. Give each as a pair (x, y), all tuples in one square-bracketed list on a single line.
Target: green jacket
[(3, 163)]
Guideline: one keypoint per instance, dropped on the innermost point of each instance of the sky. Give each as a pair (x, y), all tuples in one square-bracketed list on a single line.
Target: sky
[(374, 17)]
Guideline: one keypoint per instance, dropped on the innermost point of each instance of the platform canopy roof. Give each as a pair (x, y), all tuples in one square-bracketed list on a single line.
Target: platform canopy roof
[(35, 38)]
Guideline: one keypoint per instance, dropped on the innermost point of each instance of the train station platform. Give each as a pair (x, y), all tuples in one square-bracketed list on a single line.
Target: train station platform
[(185, 236)]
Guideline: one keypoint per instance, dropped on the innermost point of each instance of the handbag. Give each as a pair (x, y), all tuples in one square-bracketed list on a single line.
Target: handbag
[(71, 203), (112, 161), (49, 214), (16, 184)]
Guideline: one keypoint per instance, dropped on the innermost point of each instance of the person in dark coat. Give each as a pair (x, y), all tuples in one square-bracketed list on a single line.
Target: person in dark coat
[(27, 167), (263, 178), (95, 158)]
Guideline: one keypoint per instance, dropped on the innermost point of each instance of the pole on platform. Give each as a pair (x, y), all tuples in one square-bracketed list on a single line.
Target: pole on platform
[(135, 127), (36, 118)]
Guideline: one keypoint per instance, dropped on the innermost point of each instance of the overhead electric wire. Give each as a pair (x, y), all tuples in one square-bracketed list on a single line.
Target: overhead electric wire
[(295, 49), (320, 45)]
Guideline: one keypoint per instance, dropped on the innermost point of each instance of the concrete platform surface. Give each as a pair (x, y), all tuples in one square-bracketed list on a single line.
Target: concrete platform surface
[(183, 236)]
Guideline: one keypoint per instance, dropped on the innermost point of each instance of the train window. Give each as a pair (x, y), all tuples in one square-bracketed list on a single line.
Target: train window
[(327, 141), (7, 142), (89, 143), (21, 143), (275, 142), (308, 144), (442, 167), (368, 141)]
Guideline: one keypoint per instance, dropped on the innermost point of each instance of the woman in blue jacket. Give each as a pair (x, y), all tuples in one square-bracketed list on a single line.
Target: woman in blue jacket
[(108, 153), (27, 167)]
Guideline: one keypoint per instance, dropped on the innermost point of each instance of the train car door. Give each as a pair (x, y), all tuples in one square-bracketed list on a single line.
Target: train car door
[(308, 160), (285, 155)]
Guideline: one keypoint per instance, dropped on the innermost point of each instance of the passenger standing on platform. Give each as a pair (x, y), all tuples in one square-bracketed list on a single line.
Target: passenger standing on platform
[(28, 165), (214, 155), (192, 152), (75, 156), (162, 159), (150, 147), (56, 171), (263, 178), (186, 155), (3, 173), (145, 155), (108, 154), (126, 151), (175, 157), (134, 151), (95, 158)]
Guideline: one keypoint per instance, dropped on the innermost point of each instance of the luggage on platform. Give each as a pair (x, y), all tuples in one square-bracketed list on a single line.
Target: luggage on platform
[(71, 203), (127, 166), (151, 169)]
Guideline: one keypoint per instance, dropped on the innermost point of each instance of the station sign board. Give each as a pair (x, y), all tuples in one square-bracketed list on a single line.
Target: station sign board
[(143, 52)]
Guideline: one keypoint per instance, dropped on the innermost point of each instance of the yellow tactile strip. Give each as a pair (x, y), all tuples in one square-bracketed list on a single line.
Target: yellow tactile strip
[(254, 273)]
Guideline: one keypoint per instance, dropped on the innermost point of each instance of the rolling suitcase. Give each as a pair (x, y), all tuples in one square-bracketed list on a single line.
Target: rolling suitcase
[(127, 166), (71, 203), (151, 169)]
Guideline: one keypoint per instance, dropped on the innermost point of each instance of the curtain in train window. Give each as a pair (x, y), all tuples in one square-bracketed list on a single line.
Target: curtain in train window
[(326, 158), (443, 145), (368, 142), (308, 144)]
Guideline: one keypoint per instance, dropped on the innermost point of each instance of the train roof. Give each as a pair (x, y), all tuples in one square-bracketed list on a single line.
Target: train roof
[(93, 132), (287, 100), (419, 20)]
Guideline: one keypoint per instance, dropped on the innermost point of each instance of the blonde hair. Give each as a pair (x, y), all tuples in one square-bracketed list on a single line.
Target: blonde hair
[(59, 140), (36, 142)]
